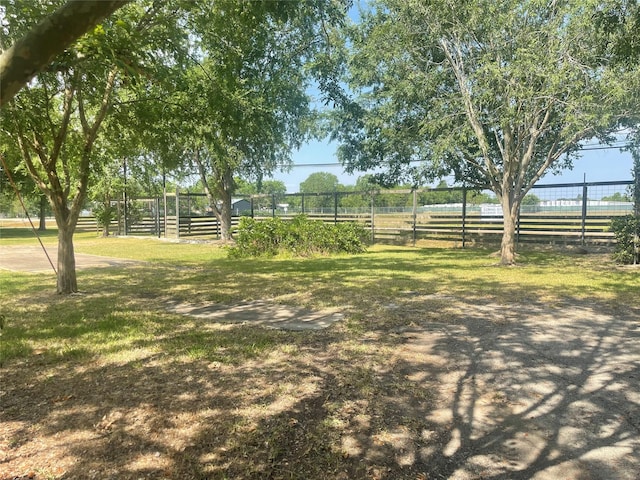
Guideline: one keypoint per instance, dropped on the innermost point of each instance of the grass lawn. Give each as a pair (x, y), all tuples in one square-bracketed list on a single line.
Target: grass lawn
[(109, 384)]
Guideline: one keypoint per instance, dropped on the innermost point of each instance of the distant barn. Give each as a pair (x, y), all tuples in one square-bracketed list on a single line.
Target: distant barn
[(240, 206)]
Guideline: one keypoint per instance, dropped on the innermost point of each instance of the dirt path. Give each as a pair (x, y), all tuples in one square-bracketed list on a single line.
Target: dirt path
[(540, 392), (33, 259)]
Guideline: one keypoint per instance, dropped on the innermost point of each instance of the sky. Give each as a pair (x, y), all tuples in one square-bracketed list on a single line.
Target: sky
[(597, 165)]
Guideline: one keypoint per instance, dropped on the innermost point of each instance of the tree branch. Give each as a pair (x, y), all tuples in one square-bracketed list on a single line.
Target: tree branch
[(58, 139), (90, 137), (458, 70), (50, 37)]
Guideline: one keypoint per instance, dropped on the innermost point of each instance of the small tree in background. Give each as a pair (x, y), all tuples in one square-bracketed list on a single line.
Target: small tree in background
[(105, 214)]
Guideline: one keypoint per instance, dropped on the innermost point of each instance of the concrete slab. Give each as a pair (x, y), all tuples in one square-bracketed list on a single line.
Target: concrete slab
[(270, 315), (33, 259)]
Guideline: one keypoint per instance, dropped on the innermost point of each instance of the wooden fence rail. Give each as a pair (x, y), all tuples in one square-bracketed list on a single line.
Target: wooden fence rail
[(578, 221)]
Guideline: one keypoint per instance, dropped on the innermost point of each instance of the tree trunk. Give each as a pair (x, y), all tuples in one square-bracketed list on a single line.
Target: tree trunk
[(508, 246), (32, 53), (43, 214), (225, 216), (510, 218), (67, 282)]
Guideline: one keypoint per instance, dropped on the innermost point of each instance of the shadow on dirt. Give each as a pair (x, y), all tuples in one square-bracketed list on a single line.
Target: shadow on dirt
[(501, 393)]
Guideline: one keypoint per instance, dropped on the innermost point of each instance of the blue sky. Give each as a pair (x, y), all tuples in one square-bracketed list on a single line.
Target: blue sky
[(597, 165)]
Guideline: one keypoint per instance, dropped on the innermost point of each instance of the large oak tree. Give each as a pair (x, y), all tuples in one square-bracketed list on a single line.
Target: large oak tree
[(243, 107), (496, 92)]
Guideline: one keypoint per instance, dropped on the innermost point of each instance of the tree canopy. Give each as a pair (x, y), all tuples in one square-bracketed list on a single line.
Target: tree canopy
[(241, 106), (220, 84), (320, 182), (57, 119), (495, 93)]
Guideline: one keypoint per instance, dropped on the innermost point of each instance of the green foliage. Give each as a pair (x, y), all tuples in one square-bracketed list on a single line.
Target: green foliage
[(441, 195), (494, 92), (531, 200), (270, 187), (299, 237), (321, 186), (627, 233), (617, 197), (105, 214), (619, 23), (320, 182)]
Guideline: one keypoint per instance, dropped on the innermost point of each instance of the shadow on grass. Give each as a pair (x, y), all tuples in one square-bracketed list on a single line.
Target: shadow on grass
[(449, 374), (548, 394), (376, 278), (15, 233)]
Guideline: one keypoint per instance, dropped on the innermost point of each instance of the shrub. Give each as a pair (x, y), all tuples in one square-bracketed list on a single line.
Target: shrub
[(627, 232), (105, 214), (299, 237), (257, 238)]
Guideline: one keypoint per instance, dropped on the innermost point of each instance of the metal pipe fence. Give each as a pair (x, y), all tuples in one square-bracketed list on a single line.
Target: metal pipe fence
[(569, 213)]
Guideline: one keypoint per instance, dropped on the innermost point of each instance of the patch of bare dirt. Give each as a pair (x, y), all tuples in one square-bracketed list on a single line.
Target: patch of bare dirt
[(452, 391)]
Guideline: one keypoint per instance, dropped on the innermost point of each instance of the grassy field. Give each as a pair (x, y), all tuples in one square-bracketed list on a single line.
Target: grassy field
[(110, 384)]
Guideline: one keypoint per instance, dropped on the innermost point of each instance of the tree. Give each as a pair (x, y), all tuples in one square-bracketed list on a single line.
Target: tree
[(320, 182), (441, 195), (497, 93), (242, 107), (106, 188), (618, 22), (11, 202), (39, 46), (56, 121), (268, 191), (531, 200), (616, 197), (270, 187)]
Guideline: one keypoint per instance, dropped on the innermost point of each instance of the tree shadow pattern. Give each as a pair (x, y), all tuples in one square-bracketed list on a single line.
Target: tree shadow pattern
[(500, 392)]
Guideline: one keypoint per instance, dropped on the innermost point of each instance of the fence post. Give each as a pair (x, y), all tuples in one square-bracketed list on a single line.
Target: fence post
[(177, 212), (157, 207), (636, 186), (464, 216), (335, 208), (373, 216), (165, 221), (584, 212), (252, 212), (125, 225), (119, 214), (415, 214)]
